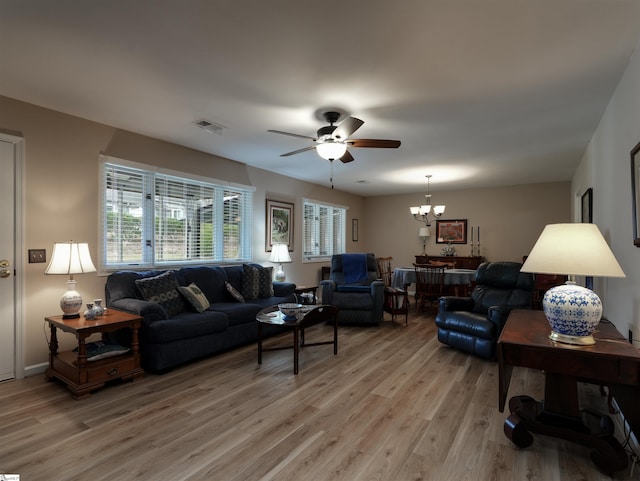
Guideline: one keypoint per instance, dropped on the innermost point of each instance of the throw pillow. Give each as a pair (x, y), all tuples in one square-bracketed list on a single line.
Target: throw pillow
[(163, 290), (234, 292), (256, 282), (195, 297)]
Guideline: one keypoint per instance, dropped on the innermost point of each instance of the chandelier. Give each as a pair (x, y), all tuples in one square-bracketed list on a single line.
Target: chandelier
[(421, 213)]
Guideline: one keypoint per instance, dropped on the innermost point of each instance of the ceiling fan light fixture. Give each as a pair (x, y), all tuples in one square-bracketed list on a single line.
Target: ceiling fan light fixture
[(331, 150)]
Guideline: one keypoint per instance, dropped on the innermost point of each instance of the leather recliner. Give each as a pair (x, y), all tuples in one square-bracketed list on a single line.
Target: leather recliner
[(360, 302), (473, 324)]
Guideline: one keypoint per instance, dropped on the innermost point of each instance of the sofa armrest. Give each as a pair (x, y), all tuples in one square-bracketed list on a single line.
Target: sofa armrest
[(453, 303), (151, 311), (282, 289)]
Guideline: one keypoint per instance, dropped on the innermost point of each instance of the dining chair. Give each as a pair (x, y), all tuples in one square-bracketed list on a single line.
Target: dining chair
[(396, 300), (429, 283)]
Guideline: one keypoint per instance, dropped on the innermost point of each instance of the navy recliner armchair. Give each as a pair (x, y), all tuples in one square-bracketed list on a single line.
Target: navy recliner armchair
[(355, 289), (473, 324)]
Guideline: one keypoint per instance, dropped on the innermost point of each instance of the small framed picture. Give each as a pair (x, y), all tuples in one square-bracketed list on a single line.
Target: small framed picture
[(354, 230), (279, 226), (451, 231), (587, 206)]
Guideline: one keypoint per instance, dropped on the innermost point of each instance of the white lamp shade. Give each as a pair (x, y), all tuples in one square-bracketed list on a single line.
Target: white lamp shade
[(331, 150), (280, 253), (415, 210), (70, 258), (574, 249), (438, 209), (424, 232)]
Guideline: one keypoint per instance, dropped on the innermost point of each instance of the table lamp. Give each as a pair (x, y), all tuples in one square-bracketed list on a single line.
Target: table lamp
[(279, 255), (70, 258), (575, 250), (424, 233)]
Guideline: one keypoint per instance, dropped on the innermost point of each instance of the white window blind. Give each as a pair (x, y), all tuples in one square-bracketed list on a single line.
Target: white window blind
[(323, 230), (156, 219)]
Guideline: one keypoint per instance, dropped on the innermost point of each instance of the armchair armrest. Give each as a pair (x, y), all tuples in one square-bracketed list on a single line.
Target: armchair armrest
[(327, 287), (453, 303), (498, 315)]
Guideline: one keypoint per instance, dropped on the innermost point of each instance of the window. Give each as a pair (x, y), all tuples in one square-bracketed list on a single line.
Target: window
[(157, 219), (323, 231)]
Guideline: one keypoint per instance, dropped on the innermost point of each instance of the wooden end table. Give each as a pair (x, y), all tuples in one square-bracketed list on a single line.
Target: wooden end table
[(313, 290), (273, 317), (611, 362), (80, 375)]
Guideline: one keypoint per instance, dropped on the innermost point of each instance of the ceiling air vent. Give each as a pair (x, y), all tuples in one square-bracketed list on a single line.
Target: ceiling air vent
[(210, 126)]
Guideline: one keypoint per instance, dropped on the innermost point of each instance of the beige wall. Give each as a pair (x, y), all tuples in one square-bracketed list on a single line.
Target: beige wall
[(605, 167), (61, 203), (510, 220)]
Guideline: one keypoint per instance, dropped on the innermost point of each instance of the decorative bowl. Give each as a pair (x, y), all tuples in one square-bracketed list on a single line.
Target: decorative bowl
[(290, 310)]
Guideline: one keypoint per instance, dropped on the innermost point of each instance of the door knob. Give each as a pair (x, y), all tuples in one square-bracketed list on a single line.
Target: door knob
[(5, 273), (4, 263)]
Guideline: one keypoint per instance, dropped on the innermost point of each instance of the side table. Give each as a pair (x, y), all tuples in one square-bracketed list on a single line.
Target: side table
[(313, 290), (72, 368)]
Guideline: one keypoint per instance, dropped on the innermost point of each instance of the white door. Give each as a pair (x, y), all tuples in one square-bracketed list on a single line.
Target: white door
[(8, 287)]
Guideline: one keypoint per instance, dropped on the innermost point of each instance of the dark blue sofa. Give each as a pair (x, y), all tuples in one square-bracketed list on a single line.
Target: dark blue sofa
[(167, 340)]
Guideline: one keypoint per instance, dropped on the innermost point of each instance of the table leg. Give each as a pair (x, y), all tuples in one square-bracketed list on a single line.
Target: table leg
[(259, 343), (296, 348), (555, 417)]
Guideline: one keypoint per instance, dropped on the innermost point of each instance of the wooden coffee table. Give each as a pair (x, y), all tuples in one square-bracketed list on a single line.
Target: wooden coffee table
[(309, 316)]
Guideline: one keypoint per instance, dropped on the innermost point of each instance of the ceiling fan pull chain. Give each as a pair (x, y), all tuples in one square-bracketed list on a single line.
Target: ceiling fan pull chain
[(331, 177)]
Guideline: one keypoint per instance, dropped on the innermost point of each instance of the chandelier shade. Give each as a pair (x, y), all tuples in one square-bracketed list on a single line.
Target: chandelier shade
[(421, 212)]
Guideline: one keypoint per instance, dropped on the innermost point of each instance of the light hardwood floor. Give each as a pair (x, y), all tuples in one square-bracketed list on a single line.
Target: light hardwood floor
[(394, 404)]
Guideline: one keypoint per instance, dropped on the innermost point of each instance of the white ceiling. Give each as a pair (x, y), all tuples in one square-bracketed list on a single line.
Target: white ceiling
[(480, 92)]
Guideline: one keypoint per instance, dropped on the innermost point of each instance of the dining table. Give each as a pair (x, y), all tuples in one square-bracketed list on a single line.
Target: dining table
[(460, 280)]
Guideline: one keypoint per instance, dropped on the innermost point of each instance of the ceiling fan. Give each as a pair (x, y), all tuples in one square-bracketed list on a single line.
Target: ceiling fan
[(332, 140)]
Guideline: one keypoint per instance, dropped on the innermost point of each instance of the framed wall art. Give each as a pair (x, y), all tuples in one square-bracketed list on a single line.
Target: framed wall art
[(451, 231), (354, 230), (635, 192), (587, 206), (279, 228)]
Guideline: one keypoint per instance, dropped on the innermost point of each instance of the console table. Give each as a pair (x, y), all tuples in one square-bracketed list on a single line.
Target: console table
[(612, 361), (462, 262)]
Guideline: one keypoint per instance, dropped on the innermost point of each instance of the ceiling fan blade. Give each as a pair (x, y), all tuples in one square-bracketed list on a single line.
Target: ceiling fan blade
[(347, 127), (347, 157), (292, 135), (299, 151), (375, 143)]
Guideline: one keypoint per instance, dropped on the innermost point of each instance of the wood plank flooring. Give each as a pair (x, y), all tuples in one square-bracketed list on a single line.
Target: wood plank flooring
[(394, 404)]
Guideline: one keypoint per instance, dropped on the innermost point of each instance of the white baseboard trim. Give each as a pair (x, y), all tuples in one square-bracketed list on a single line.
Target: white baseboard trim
[(35, 369)]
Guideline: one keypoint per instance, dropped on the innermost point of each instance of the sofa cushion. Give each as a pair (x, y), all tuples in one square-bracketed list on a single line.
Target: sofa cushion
[(234, 292), (210, 280), (163, 290), (257, 282), (195, 297), (185, 325)]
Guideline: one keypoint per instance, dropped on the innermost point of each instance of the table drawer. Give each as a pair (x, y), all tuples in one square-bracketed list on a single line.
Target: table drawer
[(115, 368)]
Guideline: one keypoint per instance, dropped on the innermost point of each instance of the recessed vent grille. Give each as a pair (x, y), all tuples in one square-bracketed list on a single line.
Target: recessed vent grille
[(210, 126)]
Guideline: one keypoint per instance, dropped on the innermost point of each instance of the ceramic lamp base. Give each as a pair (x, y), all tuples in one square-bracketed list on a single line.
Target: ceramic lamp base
[(573, 313), (280, 275)]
